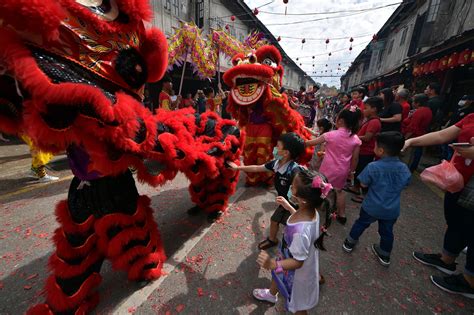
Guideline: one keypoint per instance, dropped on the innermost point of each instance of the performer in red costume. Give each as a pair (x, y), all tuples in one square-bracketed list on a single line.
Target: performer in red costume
[(255, 101), (72, 76)]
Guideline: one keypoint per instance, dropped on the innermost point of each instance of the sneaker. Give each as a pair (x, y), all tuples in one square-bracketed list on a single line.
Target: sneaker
[(265, 295), (454, 284), (384, 260), (434, 260), (47, 178), (347, 246)]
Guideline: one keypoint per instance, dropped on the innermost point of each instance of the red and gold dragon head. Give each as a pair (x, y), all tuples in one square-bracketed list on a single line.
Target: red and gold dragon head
[(255, 75), (75, 52)]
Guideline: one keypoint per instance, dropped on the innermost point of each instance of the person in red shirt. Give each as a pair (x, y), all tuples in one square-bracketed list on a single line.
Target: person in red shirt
[(417, 125), (401, 97), (357, 96), (367, 133), (165, 101), (459, 217), (213, 102), (187, 102)]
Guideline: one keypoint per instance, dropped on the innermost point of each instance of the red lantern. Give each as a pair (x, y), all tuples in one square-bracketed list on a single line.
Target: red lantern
[(327, 41), (381, 84), (255, 11), (227, 27), (453, 60), (351, 40), (314, 57), (371, 87), (297, 59), (350, 48), (303, 41), (232, 18), (330, 54), (285, 1), (443, 63), (464, 57), (434, 66), (279, 38), (426, 68)]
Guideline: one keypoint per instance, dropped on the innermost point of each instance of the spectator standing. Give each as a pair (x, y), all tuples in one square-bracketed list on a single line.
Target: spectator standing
[(165, 101), (417, 125), (187, 102), (391, 116), (402, 98), (459, 219), (200, 101), (436, 102)]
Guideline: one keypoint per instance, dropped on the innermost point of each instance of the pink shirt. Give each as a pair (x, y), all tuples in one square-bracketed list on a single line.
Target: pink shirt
[(337, 161)]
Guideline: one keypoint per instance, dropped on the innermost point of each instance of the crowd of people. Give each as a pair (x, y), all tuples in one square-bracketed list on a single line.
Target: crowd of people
[(358, 141)]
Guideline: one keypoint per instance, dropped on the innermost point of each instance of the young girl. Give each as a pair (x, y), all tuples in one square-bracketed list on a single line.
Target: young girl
[(295, 273), (341, 155), (323, 125)]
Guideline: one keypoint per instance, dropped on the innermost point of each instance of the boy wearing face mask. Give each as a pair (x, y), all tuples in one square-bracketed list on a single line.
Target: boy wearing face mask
[(289, 147)]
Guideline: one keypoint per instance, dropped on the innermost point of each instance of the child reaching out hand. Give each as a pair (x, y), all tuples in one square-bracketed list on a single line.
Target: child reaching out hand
[(295, 272), (289, 147)]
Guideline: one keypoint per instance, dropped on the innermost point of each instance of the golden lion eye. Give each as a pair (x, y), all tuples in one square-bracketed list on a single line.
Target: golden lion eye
[(252, 58), (236, 62)]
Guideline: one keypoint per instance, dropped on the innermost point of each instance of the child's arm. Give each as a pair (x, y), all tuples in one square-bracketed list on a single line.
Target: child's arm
[(265, 261), (355, 159), (311, 131), (316, 141), (248, 168), (285, 204), (367, 137)]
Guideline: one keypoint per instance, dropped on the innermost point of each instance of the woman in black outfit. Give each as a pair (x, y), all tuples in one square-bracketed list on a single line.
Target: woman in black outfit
[(391, 116)]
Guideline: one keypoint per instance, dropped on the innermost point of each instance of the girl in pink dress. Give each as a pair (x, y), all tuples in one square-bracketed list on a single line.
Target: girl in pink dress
[(342, 152)]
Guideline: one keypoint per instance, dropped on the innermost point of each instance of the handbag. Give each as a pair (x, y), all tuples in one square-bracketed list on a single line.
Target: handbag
[(466, 199), (445, 176)]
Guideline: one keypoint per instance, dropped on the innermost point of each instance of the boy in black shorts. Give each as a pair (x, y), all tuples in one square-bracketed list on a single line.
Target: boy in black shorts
[(289, 147)]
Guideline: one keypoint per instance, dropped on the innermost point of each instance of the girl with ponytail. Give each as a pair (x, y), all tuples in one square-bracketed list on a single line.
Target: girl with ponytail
[(295, 272)]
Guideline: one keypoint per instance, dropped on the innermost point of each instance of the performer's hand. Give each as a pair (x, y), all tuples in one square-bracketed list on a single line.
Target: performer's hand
[(232, 165), (407, 145), (265, 261), (283, 202)]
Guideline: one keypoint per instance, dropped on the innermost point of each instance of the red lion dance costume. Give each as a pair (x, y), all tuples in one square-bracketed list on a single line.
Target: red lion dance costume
[(71, 78), (257, 104)]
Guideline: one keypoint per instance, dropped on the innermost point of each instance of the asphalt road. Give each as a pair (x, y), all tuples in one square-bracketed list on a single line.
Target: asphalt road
[(211, 268)]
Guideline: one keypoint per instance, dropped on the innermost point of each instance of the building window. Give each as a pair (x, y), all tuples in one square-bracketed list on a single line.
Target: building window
[(200, 13), (167, 4), (390, 47), (176, 7), (433, 10), (404, 36)]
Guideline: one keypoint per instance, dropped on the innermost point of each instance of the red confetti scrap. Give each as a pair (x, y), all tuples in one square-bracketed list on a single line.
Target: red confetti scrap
[(132, 309), (32, 276), (460, 304), (235, 235), (200, 291), (27, 287), (42, 235), (180, 308)]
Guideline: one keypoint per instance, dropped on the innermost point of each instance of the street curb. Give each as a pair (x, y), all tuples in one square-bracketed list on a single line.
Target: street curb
[(140, 296)]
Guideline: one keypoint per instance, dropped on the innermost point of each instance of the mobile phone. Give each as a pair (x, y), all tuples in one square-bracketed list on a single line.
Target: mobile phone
[(461, 144)]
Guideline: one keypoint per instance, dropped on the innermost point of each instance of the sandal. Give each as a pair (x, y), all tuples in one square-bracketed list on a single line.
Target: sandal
[(266, 244), (350, 189), (358, 199), (264, 295)]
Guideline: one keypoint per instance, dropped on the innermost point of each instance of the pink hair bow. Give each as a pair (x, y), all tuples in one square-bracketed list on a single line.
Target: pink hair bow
[(326, 188), (353, 108)]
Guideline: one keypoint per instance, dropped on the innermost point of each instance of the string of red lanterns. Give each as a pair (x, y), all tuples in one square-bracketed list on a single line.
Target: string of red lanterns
[(454, 60)]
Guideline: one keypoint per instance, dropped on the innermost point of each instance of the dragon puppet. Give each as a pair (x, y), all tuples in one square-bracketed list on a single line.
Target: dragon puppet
[(255, 101), (72, 74)]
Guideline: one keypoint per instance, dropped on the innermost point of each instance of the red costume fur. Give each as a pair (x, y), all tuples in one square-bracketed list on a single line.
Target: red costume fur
[(93, 102), (267, 114)]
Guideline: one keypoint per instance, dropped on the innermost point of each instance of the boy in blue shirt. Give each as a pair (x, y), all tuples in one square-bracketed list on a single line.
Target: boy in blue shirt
[(289, 148), (385, 180)]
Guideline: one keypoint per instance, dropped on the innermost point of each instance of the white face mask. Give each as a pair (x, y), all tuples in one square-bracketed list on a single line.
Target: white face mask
[(462, 103)]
